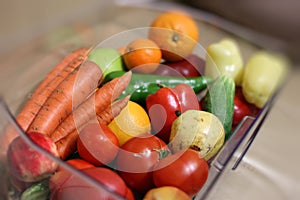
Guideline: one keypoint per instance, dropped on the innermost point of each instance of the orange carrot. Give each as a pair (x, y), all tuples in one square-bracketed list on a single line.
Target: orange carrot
[(69, 63), (71, 92), (25, 117), (52, 80), (107, 115), (67, 145), (93, 106)]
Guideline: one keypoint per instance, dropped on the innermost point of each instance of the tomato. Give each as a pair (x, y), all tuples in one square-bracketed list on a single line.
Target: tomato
[(64, 185), (136, 158), (97, 144), (186, 170), (166, 193)]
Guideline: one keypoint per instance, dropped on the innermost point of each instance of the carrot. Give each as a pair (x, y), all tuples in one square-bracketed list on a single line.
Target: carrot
[(69, 63), (52, 80), (72, 91), (67, 145), (25, 117), (107, 115), (93, 106)]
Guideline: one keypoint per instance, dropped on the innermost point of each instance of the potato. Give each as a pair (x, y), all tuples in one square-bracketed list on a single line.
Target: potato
[(198, 130)]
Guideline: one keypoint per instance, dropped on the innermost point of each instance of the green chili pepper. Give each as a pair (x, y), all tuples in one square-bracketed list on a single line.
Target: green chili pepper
[(141, 85)]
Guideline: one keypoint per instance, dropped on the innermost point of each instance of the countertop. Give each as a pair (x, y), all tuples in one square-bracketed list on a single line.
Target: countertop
[(270, 169)]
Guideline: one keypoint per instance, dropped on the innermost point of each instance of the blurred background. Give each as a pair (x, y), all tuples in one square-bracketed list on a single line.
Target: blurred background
[(272, 18), (22, 21)]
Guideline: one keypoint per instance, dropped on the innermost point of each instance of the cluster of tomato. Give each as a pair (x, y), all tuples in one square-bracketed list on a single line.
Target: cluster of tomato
[(142, 163)]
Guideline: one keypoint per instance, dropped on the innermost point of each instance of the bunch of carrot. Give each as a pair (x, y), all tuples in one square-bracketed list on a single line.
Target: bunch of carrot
[(68, 98)]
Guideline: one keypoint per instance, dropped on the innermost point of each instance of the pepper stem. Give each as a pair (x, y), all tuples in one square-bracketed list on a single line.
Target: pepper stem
[(177, 113)]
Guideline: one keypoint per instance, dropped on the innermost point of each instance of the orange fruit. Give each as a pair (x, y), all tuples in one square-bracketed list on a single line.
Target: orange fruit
[(175, 33), (132, 121), (142, 55)]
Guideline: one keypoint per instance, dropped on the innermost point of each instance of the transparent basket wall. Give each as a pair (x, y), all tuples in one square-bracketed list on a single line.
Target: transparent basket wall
[(231, 154), (228, 158), (11, 187)]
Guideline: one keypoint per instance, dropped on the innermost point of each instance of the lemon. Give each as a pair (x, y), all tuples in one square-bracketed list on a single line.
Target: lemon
[(132, 121)]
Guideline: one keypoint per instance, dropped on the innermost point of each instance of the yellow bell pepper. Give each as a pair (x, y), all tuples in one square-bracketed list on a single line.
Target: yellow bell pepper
[(224, 57), (263, 74)]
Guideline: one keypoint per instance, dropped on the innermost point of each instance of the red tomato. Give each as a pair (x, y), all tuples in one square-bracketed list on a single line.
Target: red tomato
[(97, 144), (186, 170), (64, 185), (136, 159)]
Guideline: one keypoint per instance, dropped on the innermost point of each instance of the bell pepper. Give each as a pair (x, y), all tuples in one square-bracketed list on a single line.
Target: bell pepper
[(264, 73), (224, 57), (141, 85), (242, 108), (166, 105)]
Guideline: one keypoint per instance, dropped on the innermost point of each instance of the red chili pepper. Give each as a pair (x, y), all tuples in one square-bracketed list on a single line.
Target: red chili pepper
[(166, 105)]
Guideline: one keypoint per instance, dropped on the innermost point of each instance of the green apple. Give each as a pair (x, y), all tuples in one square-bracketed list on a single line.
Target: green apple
[(108, 59)]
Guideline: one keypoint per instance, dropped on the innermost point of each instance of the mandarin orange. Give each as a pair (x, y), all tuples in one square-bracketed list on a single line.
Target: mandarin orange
[(142, 55), (175, 33)]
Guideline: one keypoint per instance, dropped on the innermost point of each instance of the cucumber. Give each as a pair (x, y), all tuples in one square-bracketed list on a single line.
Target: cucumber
[(38, 191), (219, 100)]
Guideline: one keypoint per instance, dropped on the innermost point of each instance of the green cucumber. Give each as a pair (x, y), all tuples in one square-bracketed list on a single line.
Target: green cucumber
[(219, 100), (38, 191)]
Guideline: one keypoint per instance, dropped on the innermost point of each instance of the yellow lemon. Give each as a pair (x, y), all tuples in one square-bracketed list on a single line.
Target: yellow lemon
[(132, 121)]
